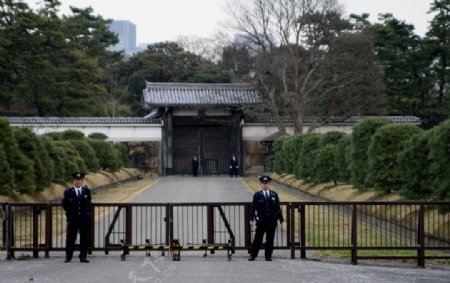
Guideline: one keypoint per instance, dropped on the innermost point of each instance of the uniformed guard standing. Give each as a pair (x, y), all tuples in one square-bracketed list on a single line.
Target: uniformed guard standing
[(234, 166), (194, 166), (266, 211), (77, 204)]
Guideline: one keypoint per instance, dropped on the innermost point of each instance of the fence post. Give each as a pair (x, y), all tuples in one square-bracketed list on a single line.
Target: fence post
[(169, 224), (48, 228), (210, 228), (4, 225), (354, 237), (421, 237), (290, 217), (302, 231), (35, 220), (92, 231), (247, 228), (10, 233), (128, 224)]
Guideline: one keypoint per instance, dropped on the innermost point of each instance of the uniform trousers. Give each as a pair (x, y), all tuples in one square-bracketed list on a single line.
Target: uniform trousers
[(72, 231), (261, 229)]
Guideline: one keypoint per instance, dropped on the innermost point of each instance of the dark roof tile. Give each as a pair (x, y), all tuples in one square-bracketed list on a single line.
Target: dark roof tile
[(82, 120), (193, 94), (333, 120)]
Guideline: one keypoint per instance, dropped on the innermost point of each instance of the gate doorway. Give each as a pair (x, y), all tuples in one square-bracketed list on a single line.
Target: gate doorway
[(211, 145)]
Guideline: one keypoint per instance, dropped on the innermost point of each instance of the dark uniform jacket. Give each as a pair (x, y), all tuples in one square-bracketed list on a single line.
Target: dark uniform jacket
[(264, 210), (234, 163), (78, 208)]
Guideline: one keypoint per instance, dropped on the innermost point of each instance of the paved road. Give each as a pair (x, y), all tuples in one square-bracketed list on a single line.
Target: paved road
[(215, 268), (177, 189)]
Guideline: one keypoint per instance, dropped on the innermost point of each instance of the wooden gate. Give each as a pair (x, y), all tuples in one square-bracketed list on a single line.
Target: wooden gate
[(211, 145)]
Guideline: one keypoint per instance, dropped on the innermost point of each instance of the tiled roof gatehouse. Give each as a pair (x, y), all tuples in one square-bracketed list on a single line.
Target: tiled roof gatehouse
[(194, 94)]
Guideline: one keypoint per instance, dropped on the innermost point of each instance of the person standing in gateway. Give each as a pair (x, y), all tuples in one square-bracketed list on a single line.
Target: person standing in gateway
[(266, 211), (234, 166), (194, 166), (77, 205)]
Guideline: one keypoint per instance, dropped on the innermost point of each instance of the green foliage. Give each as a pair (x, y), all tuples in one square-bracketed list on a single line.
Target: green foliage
[(55, 159), (47, 163), (86, 152), (122, 150), (439, 45), (106, 156), (22, 167), (343, 158), (439, 146), (56, 136), (51, 64), (28, 144), (360, 141), (166, 62), (310, 146), (297, 154), (413, 165), (6, 174), (72, 135), (406, 62), (98, 136), (325, 164), (331, 138), (352, 79), (72, 159), (279, 155), (387, 142), (288, 156), (62, 163)]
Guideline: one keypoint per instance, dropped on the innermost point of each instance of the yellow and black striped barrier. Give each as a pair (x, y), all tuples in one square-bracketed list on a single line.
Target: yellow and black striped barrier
[(124, 248), (175, 248)]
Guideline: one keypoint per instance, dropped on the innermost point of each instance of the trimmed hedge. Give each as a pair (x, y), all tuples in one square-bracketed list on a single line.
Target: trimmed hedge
[(343, 159), (439, 146), (6, 174), (87, 153), (361, 138), (325, 165), (22, 166), (311, 144), (30, 163), (391, 157), (413, 165), (384, 172)]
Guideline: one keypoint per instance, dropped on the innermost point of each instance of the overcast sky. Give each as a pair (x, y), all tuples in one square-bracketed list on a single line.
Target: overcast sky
[(163, 20)]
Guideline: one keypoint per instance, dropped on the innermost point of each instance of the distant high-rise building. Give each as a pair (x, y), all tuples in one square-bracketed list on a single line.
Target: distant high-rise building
[(126, 31)]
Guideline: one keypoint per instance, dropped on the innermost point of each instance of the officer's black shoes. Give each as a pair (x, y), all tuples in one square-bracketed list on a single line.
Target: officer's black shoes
[(251, 259), (268, 259), (67, 260), (84, 260)]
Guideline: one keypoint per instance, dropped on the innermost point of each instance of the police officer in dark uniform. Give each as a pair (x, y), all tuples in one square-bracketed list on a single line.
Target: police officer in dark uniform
[(194, 166), (266, 211), (77, 204), (234, 166)]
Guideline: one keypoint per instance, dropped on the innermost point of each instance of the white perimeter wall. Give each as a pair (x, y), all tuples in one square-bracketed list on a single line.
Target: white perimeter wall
[(115, 133), (261, 131)]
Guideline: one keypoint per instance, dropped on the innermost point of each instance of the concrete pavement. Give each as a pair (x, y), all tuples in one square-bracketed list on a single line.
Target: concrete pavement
[(215, 268)]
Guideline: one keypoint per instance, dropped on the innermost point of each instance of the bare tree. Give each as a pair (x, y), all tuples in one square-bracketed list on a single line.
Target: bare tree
[(207, 48), (291, 38)]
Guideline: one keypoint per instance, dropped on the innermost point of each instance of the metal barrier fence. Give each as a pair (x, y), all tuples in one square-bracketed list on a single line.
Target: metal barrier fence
[(365, 230)]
